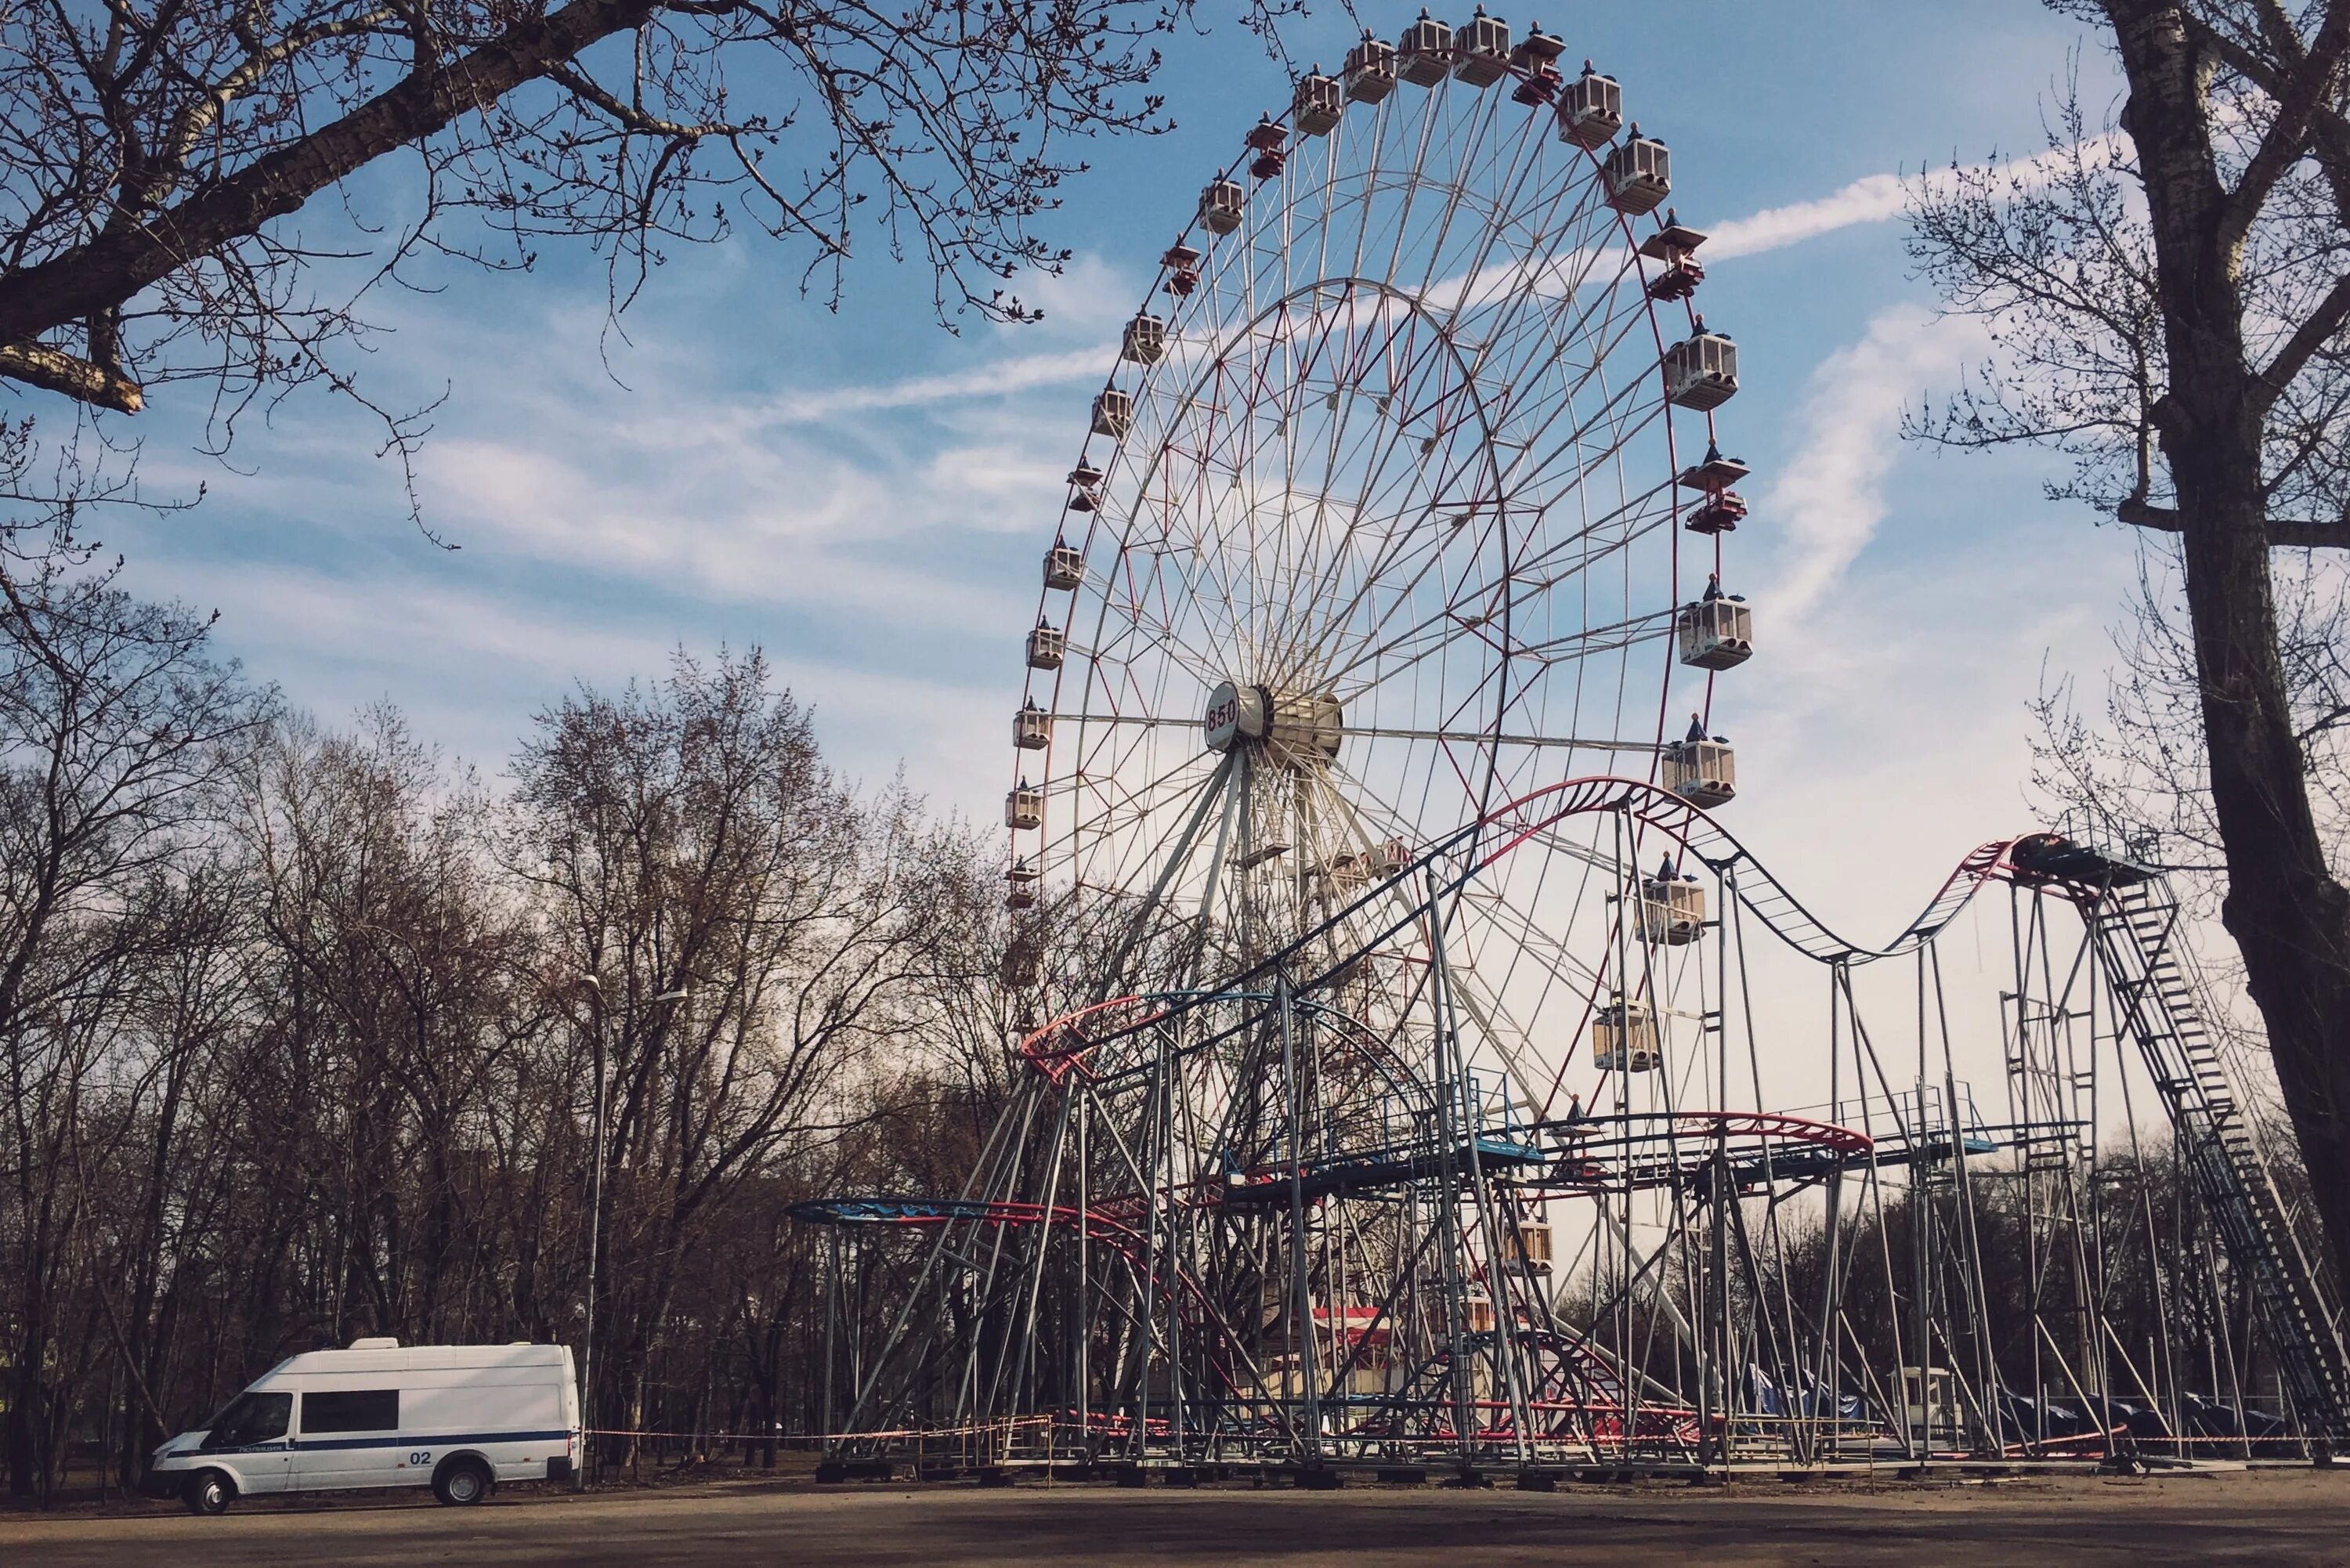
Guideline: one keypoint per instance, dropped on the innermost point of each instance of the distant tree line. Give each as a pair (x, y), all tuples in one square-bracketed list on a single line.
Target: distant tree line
[(299, 1028)]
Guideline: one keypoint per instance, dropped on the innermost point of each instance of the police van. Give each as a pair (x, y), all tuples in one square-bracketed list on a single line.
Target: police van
[(458, 1418)]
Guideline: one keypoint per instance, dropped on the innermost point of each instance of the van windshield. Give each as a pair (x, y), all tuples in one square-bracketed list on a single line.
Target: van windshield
[(250, 1417)]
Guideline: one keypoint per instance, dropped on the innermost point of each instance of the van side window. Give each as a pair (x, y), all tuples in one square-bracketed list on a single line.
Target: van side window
[(251, 1418), (356, 1410)]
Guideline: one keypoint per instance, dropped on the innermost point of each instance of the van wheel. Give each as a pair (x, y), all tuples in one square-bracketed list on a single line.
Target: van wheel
[(460, 1483), (208, 1493)]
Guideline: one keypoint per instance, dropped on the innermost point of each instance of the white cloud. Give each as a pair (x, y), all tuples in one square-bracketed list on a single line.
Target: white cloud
[(1874, 198), (1870, 200), (1018, 374), (1829, 497)]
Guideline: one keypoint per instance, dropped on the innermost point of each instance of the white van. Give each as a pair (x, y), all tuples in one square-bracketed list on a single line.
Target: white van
[(462, 1418)]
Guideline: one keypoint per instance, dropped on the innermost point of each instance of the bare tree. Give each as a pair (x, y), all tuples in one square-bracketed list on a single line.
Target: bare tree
[(2171, 293), (117, 729), (151, 148), (744, 930)]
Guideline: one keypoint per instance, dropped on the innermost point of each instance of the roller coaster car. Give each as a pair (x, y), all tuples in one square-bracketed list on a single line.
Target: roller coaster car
[(2041, 858)]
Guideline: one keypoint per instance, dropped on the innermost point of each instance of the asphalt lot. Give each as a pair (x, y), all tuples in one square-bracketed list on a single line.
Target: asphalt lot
[(2271, 1518)]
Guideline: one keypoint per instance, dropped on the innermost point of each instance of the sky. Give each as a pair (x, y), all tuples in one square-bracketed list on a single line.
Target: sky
[(865, 495)]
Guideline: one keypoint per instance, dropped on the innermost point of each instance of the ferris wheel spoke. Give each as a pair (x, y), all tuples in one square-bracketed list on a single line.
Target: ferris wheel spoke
[(1408, 647), (1486, 738)]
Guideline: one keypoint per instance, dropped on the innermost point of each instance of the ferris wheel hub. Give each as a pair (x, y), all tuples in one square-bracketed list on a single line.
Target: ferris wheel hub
[(1298, 729)]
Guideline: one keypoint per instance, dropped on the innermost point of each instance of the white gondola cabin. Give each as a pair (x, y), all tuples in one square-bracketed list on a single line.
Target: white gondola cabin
[(1113, 413), (1527, 1247), (1020, 885), (1624, 1038), (1145, 341), (1064, 566), (1639, 174), (1481, 50), (1316, 105), (1220, 205), (1023, 807), (1590, 110), (1701, 372), (1702, 772), (1032, 728), (1389, 859), (1717, 633), (1672, 910), (1427, 50), (1048, 645), (1370, 69)]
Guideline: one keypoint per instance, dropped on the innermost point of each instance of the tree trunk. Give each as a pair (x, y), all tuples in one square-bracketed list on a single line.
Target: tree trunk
[(2290, 918)]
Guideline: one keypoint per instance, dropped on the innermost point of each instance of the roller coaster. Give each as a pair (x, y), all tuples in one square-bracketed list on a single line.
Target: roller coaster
[(1361, 1265)]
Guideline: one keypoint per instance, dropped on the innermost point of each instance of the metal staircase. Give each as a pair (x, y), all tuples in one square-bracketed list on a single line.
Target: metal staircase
[(2136, 931)]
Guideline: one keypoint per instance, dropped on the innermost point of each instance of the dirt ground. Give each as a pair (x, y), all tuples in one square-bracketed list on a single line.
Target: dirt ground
[(2266, 1517)]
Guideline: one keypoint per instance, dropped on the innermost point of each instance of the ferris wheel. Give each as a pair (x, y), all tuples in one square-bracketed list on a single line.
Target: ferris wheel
[(1402, 501)]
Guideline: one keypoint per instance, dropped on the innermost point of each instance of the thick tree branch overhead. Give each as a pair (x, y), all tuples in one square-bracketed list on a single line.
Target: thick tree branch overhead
[(154, 155)]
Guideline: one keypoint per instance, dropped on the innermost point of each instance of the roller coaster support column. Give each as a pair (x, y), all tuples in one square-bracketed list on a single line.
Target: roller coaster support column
[(1457, 1123), (1448, 1208), (1307, 1372)]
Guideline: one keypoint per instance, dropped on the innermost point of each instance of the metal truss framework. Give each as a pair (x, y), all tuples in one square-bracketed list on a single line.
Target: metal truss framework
[(1353, 1261)]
